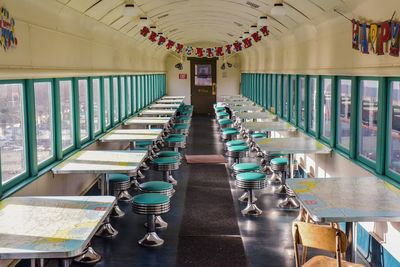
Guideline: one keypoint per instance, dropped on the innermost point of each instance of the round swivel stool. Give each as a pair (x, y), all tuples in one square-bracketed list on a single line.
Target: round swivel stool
[(234, 143), (169, 154), (222, 115), (251, 181), (237, 152), (181, 128), (183, 119), (119, 184), (230, 134), (225, 123), (158, 187), (152, 205), (219, 109), (166, 165), (175, 141), (279, 168), (245, 167)]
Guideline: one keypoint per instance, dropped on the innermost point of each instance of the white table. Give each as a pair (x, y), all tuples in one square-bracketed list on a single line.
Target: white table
[(149, 121), (158, 112), (170, 101), (350, 200), (267, 127), (255, 116), (173, 97), (59, 227), (125, 135), (164, 106)]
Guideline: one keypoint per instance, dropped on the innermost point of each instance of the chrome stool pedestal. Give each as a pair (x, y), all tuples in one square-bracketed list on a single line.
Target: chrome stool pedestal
[(251, 181)]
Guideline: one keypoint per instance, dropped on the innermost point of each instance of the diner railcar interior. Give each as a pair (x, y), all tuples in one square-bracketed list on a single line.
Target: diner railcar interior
[(199, 133)]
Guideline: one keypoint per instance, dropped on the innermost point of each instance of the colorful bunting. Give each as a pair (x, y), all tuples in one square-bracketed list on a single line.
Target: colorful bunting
[(7, 30)]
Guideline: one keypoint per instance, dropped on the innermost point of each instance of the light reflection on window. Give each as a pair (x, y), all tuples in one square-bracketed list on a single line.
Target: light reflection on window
[(344, 97), (326, 107)]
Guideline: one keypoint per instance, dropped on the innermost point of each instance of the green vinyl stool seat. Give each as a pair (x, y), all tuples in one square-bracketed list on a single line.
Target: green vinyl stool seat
[(219, 109), (225, 121), (229, 133), (119, 185), (165, 160), (168, 154), (246, 167), (175, 141), (235, 143), (181, 126), (143, 143), (259, 135), (250, 181), (238, 148), (166, 165), (158, 187), (279, 161), (277, 181), (152, 205)]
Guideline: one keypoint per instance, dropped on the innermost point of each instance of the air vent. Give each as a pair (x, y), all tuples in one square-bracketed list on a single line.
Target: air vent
[(238, 24), (253, 5), (174, 30), (163, 16), (230, 34)]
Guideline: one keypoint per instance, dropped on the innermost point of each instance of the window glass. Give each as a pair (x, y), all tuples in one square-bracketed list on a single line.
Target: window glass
[(129, 91), (116, 99), (369, 90), (326, 107), (96, 105), (285, 96), (44, 120), (83, 109), (394, 145), (313, 104), (344, 97), (67, 128), (134, 94), (107, 102), (279, 93), (122, 84), (302, 101), (273, 93), (202, 75), (12, 131), (293, 100)]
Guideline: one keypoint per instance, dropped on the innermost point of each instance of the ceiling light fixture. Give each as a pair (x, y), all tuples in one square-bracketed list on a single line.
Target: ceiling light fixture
[(253, 29), (130, 10), (278, 9), (246, 34), (143, 22), (262, 21)]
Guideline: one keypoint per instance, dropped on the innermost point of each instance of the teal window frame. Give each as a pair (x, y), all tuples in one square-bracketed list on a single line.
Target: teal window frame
[(93, 131), (80, 141), (135, 94), (349, 152), (264, 90), (62, 152), (331, 140), (269, 91), (293, 104), (122, 100), (28, 149), (285, 93), (378, 165), (312, 132), (389, 172), (32, 109), (273, 107), (115, 94), (129, 96), (302, 127), (103, 101)]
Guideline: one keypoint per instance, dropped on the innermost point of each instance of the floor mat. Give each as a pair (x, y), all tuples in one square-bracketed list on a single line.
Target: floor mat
[(205, 159)]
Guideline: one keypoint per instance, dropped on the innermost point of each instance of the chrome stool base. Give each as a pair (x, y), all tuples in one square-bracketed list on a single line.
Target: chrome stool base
[(252, 210), (117, 212), (106, 230), (159, 223), (289, 203), (245, 197), (124, 196), (151, 239), (89, 256)]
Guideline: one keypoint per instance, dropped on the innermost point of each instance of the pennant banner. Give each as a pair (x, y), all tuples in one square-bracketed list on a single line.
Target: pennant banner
[(219, 51), (7, 32), (376, 38)]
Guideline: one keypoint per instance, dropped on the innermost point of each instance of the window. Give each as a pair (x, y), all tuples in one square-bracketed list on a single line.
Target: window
[(107, 102), (66, 111), (115, 100), (202, 75), (394, 127), (269, 91), (83, 109), (326, 85), (44, 120), (96, 105), (134, 94), (368, 112), (129, 94), (122, 94), (293, 99), (344, 113), (12, 131), (279, 94), (285, 92), (302, 102), (312, 100)]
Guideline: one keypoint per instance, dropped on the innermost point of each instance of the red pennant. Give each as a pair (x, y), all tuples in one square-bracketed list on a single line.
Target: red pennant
[(153, 36), (264, 30), (219, 52), (228, 49), (179, 48), (256, 37), (237, 46), (247, 42), (395, 40), (210, 52), (199, 52), (170, 44), (355, 34), (385, 33), (144, 31), (161, 40)]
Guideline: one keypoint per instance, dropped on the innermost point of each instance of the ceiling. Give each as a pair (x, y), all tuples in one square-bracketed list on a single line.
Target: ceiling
[(214, 21)]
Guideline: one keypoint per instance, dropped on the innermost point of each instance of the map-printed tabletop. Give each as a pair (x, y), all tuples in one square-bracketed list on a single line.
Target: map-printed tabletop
[(291, 145), (270, 126), (102, 161), (353, 199), (158, 112), (173, 97), (255, 115), (50, 227), (170, 101), (164, 106), (125, 135)]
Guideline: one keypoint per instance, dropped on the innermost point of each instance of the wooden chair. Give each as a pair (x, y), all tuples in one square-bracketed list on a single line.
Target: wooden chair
[(324, 238)]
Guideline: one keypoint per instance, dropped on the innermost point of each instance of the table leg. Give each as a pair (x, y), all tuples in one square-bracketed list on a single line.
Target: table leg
[(131, 145), (37, 262), (64, 262), (351, 233), (290, 202)]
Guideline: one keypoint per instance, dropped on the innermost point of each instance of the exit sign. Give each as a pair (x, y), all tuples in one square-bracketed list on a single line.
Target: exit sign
[(182, 76)]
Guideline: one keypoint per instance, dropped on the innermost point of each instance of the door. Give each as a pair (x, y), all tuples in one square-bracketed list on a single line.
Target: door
[(203, 80)]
